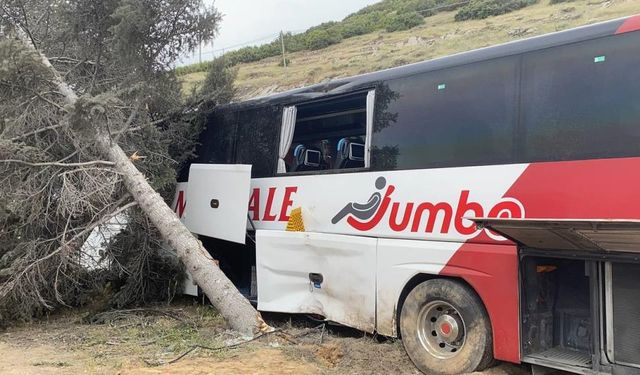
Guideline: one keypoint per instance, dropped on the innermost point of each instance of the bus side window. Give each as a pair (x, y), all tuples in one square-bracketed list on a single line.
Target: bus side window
[(580, 101), (459, 116), (329, 134)]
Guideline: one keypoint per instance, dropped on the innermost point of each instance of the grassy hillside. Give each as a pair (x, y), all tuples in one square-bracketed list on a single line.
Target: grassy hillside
[(440, 35)]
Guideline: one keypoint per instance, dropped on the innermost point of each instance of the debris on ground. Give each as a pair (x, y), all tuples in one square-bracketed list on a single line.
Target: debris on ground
[(193, 339)]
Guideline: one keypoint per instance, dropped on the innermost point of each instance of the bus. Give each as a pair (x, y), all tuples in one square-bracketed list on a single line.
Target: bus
[(482, 206)]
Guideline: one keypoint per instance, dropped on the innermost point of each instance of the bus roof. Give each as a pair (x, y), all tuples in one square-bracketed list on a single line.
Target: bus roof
[(369, 80)]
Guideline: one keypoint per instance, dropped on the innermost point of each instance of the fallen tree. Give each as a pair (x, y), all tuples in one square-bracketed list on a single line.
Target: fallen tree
[(95, 126)]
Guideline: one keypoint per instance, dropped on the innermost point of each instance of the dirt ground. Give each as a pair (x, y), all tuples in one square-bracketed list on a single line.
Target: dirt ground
[(147, 341)]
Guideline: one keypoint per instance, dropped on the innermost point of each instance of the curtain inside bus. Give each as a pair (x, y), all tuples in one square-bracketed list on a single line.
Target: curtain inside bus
[(286, 136)]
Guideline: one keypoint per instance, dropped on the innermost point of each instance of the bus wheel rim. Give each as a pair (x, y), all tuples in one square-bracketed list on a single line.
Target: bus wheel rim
[(441, 329)]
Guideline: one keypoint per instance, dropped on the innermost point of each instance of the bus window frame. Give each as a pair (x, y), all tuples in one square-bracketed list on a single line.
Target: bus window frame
[(514, 124), (368, 135)]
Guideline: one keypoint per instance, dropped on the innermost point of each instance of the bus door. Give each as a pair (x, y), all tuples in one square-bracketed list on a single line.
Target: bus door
[(217, 201), (329, 275), (579, 292)]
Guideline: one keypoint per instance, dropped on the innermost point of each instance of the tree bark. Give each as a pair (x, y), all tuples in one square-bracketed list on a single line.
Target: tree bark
[(232, 305)]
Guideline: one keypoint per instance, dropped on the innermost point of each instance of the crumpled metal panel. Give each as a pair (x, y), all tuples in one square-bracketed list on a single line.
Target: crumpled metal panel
[(347, 292)]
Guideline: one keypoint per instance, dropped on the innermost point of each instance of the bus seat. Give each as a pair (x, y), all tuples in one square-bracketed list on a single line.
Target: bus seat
[(306, 158), (350, 154)]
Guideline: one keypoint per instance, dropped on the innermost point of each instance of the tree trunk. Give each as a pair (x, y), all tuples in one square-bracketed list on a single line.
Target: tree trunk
[(234, 307)]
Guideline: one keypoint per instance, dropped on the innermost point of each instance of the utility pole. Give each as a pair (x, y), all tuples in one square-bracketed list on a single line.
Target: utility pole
[(284, 59)]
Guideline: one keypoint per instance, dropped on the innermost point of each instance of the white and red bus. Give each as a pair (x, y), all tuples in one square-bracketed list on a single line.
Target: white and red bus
[(480, 206)]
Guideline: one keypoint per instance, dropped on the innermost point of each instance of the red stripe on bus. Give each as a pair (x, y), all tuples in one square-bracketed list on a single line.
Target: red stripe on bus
[(492, 271), (630, 24), (588, 189)]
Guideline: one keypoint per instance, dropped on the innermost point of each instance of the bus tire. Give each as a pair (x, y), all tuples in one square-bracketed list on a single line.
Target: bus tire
[(445, 328)]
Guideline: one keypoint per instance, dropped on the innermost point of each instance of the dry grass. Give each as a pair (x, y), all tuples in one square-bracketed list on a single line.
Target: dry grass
[(123, 339), (129, 344), (439, 36), (191, 81)]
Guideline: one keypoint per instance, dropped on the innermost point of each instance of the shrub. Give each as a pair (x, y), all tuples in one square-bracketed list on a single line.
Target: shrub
[(360, 24), (403, 21), (422, 6), (281, 62), (480, 9), (448, 5), (253, 53), (294, 43), (319, 38)]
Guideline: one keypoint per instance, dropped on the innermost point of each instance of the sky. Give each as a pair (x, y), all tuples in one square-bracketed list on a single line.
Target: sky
[(261, 20)]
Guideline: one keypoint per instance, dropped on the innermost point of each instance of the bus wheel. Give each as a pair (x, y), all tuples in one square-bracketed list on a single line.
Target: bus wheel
[(445, 328)]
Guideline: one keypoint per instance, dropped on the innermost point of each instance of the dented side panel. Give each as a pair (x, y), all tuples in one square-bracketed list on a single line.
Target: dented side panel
[(316, 273)]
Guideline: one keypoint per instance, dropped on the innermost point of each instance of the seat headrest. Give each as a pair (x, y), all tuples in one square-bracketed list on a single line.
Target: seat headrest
[(298, 153), (343, 147)]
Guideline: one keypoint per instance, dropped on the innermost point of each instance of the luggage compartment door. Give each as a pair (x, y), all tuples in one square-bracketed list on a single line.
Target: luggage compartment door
[(555, 234), (218, 200), (316, 273)]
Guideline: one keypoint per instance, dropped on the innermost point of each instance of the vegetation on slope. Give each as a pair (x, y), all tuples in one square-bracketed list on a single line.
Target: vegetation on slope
[(481, 9), (390, 15), (441, 35)]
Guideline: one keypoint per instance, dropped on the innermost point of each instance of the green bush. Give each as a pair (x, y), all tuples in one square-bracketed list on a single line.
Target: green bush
[(254, 53), (403, 21), (281, 62), (480, 9), (319, 38), (448, 5), (360, 24), (294, 43), (560, 1), (425, 7)]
